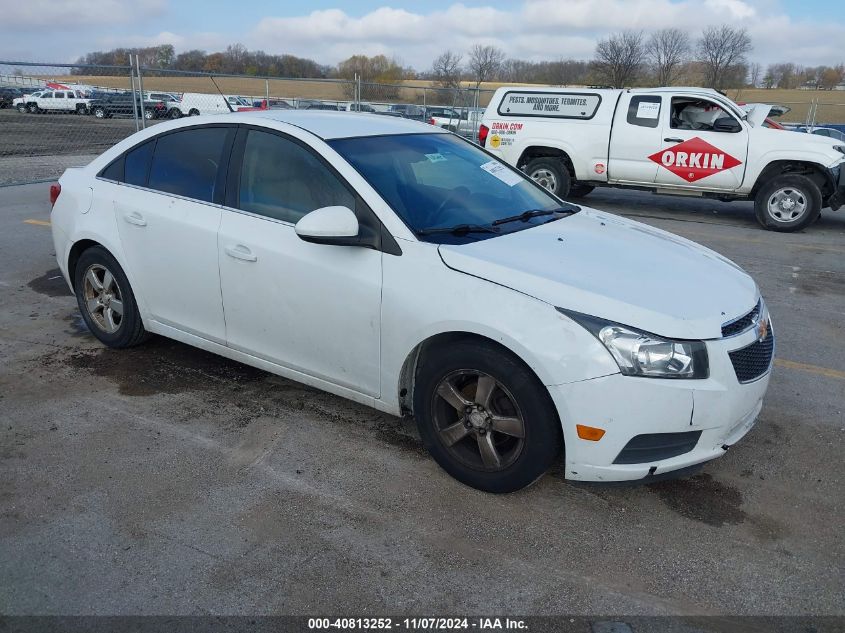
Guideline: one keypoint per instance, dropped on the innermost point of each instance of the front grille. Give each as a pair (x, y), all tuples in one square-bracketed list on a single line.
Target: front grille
[(754, 360), (652, 447), (742, 323)]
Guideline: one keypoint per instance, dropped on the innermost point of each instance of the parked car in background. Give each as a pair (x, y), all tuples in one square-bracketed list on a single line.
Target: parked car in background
[(196, 103), (278, 104), (361, 106), (410, 111), (404, 268), (167, 98), (467, 124), (828, 132), (59, 101), (21, 104), (684, 141), (122, 104), (313, 104), (8, 96)]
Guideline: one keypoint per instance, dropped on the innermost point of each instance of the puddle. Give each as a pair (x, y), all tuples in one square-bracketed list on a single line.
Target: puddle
[(702, 498), (163, 366), (51, 284)]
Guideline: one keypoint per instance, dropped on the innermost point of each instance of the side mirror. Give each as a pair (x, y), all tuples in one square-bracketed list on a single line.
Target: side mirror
[(727, 124), (329, 225)]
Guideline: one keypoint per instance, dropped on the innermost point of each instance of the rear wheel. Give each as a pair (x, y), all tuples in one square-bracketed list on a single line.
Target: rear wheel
[(194, 112), (485, 417), (32, 108), (551, 174), (148, 114), (106, 301), (788, 203), (175, 113), (100, 113), (22, 108)]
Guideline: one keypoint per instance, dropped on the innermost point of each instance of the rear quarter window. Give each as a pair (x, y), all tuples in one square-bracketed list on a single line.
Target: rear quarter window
[(644, 110)]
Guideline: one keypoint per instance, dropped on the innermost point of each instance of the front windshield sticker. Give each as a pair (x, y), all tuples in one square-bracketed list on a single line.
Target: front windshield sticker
[(501, 172), (435, 158), (550, 104)]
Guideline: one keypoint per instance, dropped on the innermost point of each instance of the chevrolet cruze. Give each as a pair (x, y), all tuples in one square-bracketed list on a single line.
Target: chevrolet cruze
[(395, 264)]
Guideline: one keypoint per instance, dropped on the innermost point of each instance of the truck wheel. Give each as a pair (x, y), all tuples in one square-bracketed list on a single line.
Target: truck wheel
[(22, 108), (579, 191), (148, 114), (175, 113), (551, 174), (194, 112), (33, 109), (788, 203), (100, 113)]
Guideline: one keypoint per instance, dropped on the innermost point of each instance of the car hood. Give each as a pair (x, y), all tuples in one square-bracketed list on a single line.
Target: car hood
[(616, 269)]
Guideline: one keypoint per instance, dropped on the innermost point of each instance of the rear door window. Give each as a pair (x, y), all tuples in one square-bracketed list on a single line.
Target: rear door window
[(187, 163)]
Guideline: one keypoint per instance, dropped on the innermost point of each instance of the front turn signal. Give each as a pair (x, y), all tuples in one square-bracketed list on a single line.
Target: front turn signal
[(591, 433)]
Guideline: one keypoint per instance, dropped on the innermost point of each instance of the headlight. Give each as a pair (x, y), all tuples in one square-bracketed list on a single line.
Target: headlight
[(640, 353)]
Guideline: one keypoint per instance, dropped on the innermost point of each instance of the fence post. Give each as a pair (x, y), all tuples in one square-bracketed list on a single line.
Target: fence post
[(132, 86), (141, 92), (267, 91)]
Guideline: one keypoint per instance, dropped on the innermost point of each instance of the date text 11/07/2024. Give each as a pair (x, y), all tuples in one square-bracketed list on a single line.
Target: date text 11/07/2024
[(432, 623)]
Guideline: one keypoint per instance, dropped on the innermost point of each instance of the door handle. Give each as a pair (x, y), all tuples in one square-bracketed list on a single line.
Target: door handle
[(673, 139), (135, 218), (241, 252)]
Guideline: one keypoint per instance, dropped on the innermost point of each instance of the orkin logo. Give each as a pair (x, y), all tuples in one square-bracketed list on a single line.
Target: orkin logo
[(694, 159)]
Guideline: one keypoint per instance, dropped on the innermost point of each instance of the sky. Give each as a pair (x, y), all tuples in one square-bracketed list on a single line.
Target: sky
[(807, 32)]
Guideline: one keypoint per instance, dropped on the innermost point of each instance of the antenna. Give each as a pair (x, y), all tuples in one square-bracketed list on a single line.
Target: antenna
[(225, 100)]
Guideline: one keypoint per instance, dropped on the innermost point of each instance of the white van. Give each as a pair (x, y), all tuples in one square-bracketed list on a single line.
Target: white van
[(196, 103)]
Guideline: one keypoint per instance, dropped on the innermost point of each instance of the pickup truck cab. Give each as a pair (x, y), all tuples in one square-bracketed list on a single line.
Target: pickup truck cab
[(683, 141)]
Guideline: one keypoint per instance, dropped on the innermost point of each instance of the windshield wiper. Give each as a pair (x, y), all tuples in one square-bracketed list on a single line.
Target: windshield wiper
[(458, 229), (534, 213)]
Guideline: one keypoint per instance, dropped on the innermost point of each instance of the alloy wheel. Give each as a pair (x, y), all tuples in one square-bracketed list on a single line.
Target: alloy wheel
[(103, 299), (545, 178), (478, 420)]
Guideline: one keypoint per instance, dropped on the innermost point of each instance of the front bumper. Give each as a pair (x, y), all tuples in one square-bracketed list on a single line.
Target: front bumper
[(719, 407)]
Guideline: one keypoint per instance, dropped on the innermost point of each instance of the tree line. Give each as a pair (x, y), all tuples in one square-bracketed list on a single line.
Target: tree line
[(716, 58)]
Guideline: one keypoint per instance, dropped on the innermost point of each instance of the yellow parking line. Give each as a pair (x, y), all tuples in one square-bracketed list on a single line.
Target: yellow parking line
[(37, 222), (810, 369)]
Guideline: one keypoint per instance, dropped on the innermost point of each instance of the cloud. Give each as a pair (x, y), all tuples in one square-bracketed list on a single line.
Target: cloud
[(531, 29), (73, 14)]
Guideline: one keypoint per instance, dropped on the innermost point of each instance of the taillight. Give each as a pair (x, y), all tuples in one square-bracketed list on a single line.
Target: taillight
[(482, 135), (55, 190), (431, 121)]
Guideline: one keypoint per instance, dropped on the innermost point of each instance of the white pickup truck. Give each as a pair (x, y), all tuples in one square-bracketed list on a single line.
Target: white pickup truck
[(59, 101), (683, 141)]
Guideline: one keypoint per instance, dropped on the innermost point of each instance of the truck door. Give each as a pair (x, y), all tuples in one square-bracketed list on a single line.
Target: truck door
[(704, 145), (634, 136)]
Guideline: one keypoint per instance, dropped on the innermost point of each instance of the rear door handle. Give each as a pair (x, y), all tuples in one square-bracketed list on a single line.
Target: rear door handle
[(673, 139), (135, 218), (241, 252)]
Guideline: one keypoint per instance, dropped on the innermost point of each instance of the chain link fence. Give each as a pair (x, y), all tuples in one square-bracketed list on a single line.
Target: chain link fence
[(54, 116)]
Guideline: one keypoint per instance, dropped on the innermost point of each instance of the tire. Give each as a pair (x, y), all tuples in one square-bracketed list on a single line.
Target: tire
[(149, 114), (175, 113), (579, 191), (550, 173), (518, 402), (81, 109), (788, 203), (98, 305), (22, 108), (100, 113), (32, 108), (194, 112)]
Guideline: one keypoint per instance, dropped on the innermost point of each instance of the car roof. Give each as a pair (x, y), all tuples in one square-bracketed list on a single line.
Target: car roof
[(331, 125)]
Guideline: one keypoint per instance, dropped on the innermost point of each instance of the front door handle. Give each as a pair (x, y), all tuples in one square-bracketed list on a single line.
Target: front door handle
[(135, 218), (241, 252), (673, 139)]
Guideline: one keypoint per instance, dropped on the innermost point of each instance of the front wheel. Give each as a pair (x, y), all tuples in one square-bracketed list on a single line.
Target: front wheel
[(551, 174), (22, 108), (148, 114), (788, 203), (485, 417), (100, 113), (194, 112), (32, 108), (175, 113), (106, 300)]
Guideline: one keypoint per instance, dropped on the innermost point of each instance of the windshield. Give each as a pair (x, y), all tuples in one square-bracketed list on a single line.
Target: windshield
[(440, 180)]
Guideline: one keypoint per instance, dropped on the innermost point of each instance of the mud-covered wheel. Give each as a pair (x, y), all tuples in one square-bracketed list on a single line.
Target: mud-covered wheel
[(485, 417), (788, 203), (550, 173), (106, 300)]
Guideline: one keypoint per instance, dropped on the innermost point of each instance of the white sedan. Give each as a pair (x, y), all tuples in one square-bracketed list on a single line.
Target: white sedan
[(400, 266)]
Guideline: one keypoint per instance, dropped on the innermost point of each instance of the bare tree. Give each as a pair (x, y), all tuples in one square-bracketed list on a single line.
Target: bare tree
[(755, 73), (484, 62), (619, 58), (667, 49), (719, 49), (446, 69)]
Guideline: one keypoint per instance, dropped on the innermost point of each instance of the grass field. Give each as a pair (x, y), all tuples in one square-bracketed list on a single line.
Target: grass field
[(831, 108)]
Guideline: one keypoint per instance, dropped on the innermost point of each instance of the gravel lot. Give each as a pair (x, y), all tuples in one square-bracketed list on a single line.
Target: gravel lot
[(165, 480)]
